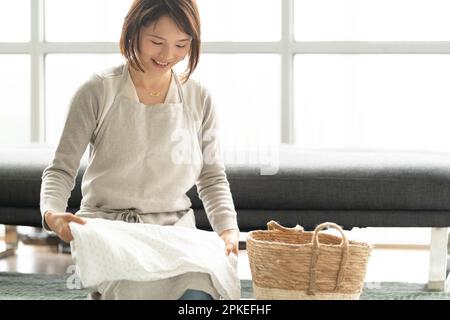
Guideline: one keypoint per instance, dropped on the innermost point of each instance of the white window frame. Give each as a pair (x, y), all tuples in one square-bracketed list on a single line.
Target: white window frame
[(287, 48)]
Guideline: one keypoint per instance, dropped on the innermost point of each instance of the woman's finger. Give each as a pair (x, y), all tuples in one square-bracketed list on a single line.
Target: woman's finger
[(66, 234), (230, 247), (236, 249), (77, 219)]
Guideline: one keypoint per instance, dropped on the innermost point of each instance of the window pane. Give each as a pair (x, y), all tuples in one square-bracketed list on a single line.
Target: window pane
[(246, 88), (64, 74), (369, 20), (366, 101), (240, 20), (84, 20), (15, 21), (15, 94)]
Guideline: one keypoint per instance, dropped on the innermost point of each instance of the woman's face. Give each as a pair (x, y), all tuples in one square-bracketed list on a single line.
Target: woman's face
[(162, 45)]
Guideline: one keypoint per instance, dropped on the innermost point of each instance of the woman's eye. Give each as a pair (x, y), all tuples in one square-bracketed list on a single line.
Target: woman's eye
[(160, 43)]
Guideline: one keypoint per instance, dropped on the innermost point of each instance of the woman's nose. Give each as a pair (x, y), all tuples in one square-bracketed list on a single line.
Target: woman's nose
[(166, 53)]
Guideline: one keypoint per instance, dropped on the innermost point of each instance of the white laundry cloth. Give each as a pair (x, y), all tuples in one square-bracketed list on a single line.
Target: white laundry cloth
[(106, 250)]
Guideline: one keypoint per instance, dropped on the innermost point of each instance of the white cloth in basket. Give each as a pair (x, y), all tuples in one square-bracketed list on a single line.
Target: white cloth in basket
[(107, 250)]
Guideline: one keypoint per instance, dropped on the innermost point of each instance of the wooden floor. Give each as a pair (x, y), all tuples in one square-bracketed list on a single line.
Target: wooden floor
[(394, 263)]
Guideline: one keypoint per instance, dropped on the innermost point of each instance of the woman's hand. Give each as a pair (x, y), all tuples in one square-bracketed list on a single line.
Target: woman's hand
[(59, 223), (231, 238)]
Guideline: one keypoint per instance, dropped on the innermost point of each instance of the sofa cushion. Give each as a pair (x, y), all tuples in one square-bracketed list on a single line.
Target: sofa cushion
[(302, 180), (346, 180)]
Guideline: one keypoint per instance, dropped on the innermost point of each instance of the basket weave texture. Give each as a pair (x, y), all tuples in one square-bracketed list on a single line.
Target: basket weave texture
[(289, 263)]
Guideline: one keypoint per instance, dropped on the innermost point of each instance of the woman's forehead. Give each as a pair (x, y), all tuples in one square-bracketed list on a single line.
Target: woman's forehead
[(165, 27)]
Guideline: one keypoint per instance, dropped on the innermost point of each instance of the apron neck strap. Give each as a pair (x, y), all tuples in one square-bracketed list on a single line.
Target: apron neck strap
[(177, 81)]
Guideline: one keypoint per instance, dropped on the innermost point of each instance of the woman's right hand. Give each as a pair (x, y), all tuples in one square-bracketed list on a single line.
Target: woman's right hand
[(58, 222)]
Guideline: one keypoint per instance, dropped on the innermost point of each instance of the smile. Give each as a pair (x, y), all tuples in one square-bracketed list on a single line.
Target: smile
[(161, 63)]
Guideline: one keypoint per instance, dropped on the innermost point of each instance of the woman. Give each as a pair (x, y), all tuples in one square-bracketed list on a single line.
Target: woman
[(152, 136)]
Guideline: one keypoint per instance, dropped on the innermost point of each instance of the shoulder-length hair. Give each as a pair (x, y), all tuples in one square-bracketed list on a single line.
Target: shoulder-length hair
[(144, 12)]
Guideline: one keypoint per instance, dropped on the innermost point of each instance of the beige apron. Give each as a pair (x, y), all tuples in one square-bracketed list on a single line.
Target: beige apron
[(159, 142), (161, 155)]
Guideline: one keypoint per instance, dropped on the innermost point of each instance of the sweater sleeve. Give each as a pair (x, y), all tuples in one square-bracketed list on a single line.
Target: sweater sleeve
[(58, 178), (212, 185)]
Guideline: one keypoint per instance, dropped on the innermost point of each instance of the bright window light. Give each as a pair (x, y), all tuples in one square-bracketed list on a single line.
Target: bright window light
[(15, 94), (372, 20), (368, 101), (84, 20), (240, 20), (15, 21), (248, 103)]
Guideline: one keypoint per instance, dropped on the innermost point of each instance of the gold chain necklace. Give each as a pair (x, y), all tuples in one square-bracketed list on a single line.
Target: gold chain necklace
[(155, 94)]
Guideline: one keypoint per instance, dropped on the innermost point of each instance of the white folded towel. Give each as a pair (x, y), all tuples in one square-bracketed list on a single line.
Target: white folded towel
[(106, 250)]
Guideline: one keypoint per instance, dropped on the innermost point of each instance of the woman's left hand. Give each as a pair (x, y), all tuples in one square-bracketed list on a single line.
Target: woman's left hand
[(231, 238)]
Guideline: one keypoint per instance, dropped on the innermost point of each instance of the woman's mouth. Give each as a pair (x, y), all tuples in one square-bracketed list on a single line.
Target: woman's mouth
[(160, 64)]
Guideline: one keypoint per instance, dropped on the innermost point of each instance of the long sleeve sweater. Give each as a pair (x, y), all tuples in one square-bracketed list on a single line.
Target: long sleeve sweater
[(130, 156)]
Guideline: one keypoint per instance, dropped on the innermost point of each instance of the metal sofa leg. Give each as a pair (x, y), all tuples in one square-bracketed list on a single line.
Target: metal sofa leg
[(11, 241), (437, 279)]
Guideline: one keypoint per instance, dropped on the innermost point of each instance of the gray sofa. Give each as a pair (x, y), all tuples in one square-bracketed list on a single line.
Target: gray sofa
[(293, 186)]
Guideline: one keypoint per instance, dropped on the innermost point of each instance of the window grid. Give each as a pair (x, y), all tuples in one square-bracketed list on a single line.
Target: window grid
[(287, 48)]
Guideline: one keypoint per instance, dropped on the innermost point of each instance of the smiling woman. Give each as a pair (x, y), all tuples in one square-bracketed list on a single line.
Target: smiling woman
[(178, 26), (155, 47), (132, 116), (161, 46)]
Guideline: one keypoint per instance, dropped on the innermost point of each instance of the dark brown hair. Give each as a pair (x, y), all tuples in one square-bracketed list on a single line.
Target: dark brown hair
[(144, 12)]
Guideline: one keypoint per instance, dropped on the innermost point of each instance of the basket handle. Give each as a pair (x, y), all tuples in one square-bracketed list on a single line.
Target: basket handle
[(273, 225), (315, 256)]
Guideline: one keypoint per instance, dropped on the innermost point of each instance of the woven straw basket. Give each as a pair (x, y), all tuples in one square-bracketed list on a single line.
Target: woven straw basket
[(289, 263)]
